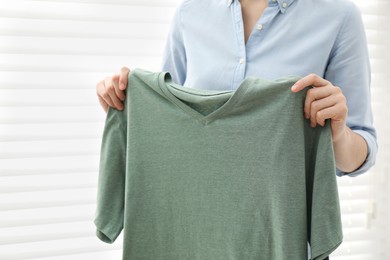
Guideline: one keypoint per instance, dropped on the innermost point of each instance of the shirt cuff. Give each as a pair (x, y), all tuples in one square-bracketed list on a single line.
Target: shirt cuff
[(371, 156)]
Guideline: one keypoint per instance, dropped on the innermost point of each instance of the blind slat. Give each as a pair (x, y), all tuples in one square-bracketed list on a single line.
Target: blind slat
[(82, 29), (50, 198), (44, 79), (65, 181), (53, 248), (77, 46), (52, 131), (45, 216), (71, 114), (45, 232), (64, 63), (47, 97), (49, 165), (50, 148), (86, 12)]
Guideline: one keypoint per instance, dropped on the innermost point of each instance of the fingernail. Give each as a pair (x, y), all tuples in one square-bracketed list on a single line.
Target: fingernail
[(294, 87), (122, 86)]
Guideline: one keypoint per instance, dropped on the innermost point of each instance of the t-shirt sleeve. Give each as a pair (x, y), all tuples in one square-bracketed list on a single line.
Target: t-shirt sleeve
[(109, 214), (324, 219)]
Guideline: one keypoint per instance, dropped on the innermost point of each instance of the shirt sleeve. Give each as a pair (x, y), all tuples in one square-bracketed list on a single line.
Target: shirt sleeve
[(174, 57), (349, 68), (109, 214), (323, 214)]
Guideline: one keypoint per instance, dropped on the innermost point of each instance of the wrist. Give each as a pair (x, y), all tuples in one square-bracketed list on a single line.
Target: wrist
[(351, 150), (343, 137)]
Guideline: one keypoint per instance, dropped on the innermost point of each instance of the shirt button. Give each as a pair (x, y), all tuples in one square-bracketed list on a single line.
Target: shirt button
[(241, 60), (284, 4), (259, 26)]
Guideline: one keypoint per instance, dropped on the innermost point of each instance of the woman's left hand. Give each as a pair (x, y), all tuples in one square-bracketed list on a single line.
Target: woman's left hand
[(324, 101)]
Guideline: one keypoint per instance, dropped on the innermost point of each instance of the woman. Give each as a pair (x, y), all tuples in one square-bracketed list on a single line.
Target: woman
[(216, 44)]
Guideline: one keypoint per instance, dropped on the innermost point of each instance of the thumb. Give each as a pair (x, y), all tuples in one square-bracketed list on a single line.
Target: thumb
[(123, 78)]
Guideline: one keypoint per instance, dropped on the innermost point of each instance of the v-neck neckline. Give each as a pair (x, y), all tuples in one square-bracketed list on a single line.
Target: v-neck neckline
[(165, 83)]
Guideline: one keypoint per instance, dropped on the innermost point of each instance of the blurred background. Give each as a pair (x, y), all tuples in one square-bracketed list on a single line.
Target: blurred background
[(53, 53)]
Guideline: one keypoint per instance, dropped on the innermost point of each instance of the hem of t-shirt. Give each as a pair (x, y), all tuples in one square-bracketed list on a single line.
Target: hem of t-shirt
[(319, 253), (104, 233)]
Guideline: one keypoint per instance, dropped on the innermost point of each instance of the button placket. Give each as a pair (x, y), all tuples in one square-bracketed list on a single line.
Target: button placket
[(241, 63)]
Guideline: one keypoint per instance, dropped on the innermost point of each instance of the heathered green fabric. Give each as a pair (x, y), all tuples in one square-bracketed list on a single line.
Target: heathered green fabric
[(216, 175)]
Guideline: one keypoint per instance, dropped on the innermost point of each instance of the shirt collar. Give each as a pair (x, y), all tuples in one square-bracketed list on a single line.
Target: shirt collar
[(283, 4)]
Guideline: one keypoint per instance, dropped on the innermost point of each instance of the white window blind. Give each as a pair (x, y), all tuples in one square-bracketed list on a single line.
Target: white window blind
[(52, 54)]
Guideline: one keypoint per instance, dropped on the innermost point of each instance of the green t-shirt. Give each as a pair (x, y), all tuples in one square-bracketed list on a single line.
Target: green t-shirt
[(216, 175)]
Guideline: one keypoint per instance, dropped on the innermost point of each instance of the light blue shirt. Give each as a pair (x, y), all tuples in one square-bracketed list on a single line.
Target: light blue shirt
[(205, 49)]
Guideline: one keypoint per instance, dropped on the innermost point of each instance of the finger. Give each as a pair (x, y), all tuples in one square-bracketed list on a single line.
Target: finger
[(319, 105), (315, 94), (99, 88), (111, 97), (123, 78), (327, 113), (336, 113), (119, 93), (103, 104), (309, 80), (102, 93)]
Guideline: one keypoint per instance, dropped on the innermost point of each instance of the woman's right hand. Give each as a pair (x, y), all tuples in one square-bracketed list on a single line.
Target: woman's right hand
[(110, 90)]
